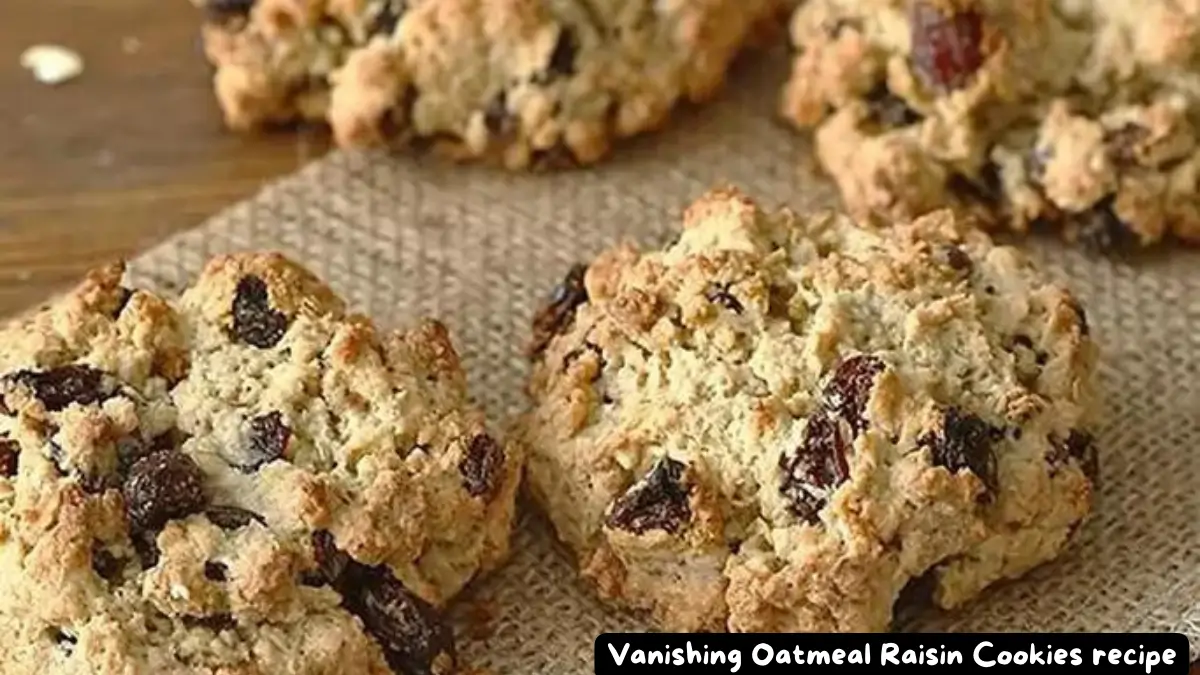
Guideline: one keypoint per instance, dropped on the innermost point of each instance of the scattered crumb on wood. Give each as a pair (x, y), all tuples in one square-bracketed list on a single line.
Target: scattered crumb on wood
[(52, 64), (131, 45)]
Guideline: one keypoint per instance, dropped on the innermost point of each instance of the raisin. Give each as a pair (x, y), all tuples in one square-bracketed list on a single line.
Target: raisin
[(562, 59), (847, 392), (331, 561), (254, 321), (719, 294), (269, 438), (10, 454), (162, 487), (816, 469), (1078, 445), (130, 449), (557, 316), (658, 502), (965, 442), (819, 466), (946, 48), (388, 17), (889, 110), (59, 387), (217, 623), (232, 517), (410, 631), (215, 571), (1101, 230), (106, 565), (481, 466), (957, 259)]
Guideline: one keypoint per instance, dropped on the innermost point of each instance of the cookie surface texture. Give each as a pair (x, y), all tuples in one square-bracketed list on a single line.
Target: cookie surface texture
[(784, 423), (246, 480), (523, 83), (1078, 113)]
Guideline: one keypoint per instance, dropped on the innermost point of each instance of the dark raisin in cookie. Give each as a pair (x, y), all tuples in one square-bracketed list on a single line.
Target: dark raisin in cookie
[(1082, 115), (243, 480), (778, 422), (523, 83)]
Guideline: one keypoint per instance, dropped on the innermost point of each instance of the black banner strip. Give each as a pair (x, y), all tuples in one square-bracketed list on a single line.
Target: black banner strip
[(1013, 653)]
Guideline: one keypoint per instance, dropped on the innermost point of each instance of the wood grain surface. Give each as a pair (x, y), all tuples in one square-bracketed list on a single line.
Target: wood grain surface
[(132, 151)]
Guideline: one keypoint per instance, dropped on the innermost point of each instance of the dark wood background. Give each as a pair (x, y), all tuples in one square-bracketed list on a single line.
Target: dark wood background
[(132, 151)]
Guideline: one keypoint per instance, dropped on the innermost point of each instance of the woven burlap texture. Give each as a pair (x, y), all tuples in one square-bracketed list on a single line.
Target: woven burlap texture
[(402, 237)]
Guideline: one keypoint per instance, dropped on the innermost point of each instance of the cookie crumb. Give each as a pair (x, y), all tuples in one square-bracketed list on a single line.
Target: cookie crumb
[(131, 45), (52, 64)]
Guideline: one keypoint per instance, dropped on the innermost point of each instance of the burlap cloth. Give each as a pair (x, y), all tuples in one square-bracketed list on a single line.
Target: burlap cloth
[(402, 237)]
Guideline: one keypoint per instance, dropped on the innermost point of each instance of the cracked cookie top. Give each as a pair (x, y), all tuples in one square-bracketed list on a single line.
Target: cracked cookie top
[(542, 83), (246, 480), (778, 422), (1081, 113)]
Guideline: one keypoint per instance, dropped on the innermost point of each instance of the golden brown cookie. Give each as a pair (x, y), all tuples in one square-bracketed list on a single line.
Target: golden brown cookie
[(247, 480), (781, 422), (1079, 114), (543, 83)]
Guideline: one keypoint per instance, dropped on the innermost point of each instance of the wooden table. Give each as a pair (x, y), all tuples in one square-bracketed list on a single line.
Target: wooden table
[(132, 151)]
